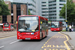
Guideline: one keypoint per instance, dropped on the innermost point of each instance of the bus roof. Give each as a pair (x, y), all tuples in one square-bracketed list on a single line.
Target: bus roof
[(35, 16)]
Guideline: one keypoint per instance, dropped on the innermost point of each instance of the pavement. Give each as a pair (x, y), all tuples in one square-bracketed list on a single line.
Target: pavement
[(71, 35), (4, 34)]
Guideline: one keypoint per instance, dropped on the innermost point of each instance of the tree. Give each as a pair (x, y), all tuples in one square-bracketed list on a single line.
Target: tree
[(4, 8), (29, 12), (70, 11)]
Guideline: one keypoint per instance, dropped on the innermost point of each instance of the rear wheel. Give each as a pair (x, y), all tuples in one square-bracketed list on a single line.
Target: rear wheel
[(23, 39), (41, 36), (46, 34)]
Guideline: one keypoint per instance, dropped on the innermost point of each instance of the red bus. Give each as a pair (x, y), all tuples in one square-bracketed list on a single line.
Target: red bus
[(31, 27), (8, 27), (56, 26)]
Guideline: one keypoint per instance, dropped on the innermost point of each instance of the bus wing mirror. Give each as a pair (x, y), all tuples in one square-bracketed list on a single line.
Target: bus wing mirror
[(16, 22), (41, 22)]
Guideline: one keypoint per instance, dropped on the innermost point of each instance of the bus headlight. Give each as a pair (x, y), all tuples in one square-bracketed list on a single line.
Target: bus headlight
[(32, 33)]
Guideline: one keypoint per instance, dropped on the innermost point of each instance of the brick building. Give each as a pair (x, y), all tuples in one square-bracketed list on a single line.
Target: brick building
[(15, 10)]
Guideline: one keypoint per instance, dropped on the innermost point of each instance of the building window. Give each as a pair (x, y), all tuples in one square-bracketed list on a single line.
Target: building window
[(44, 8), (61, 17), (11, 8), (52, 1), (30, 9), (53, 8), (43, 2), (60, 7), (52, 5), (11, 19), (62, 0), (54, 17), (44, 15), (45, 12), (29, 4), (4, 19), (43, 5), (52, 11), (52, 14), (18, 9), (61, 4)]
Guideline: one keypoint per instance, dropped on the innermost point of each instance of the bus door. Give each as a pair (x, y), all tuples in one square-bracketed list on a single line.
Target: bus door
[(44, 27)]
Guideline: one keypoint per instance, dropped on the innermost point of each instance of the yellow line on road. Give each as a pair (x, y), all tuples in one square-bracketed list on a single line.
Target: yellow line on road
[(7, 37), (47, 41), (66, 41)]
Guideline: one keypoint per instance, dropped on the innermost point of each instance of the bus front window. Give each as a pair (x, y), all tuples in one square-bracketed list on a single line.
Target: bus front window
[(6, 25), (27, 24)]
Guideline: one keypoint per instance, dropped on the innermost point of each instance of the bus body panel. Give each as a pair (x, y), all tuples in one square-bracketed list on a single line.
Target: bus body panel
[(55, 29), (27, 35)]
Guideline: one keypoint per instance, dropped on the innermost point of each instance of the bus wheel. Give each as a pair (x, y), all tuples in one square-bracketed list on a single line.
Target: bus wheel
[(23, 39), (40, 35), (46, 34)]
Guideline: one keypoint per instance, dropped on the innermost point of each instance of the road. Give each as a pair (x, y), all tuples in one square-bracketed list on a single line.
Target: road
[(54, 41)]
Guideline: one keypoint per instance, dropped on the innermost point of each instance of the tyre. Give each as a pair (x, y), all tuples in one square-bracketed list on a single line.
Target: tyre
[(23, 39), (41, 36), (46, 34)]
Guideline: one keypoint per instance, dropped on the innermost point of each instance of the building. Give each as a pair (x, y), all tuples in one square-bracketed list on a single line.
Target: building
[(42, 8), (31, 4), (15, 10), (50, 9)]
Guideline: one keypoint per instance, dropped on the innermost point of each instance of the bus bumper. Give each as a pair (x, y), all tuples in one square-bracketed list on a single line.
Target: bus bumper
[(29, 37)]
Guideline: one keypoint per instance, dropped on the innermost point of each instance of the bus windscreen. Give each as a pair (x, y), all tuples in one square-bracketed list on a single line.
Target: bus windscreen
[(6, 24), (27, 24), (55, 25)]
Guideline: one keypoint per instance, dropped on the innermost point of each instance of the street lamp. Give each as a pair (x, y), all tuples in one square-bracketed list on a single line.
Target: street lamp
[(66, 15), (66, 11), (27, 8)]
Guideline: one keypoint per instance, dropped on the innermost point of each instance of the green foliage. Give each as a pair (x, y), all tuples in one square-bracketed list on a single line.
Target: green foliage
[(4, 8), (64, 30), (70, 11), (29, 12), (0, 19)]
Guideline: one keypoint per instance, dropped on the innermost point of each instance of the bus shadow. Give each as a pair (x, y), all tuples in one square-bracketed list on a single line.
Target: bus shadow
[(55, 31), (32, 40)]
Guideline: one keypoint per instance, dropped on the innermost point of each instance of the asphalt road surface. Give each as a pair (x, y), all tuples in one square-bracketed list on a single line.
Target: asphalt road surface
[(54, 41)]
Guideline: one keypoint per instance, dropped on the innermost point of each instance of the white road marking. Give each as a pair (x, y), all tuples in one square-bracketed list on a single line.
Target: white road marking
[(1, 46), (14, 42)]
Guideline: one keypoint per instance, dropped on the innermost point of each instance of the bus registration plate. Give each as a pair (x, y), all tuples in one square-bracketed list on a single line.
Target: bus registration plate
[(27, 38)]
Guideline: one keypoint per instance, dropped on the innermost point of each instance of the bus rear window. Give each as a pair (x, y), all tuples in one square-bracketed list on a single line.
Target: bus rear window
[(6, 25)]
